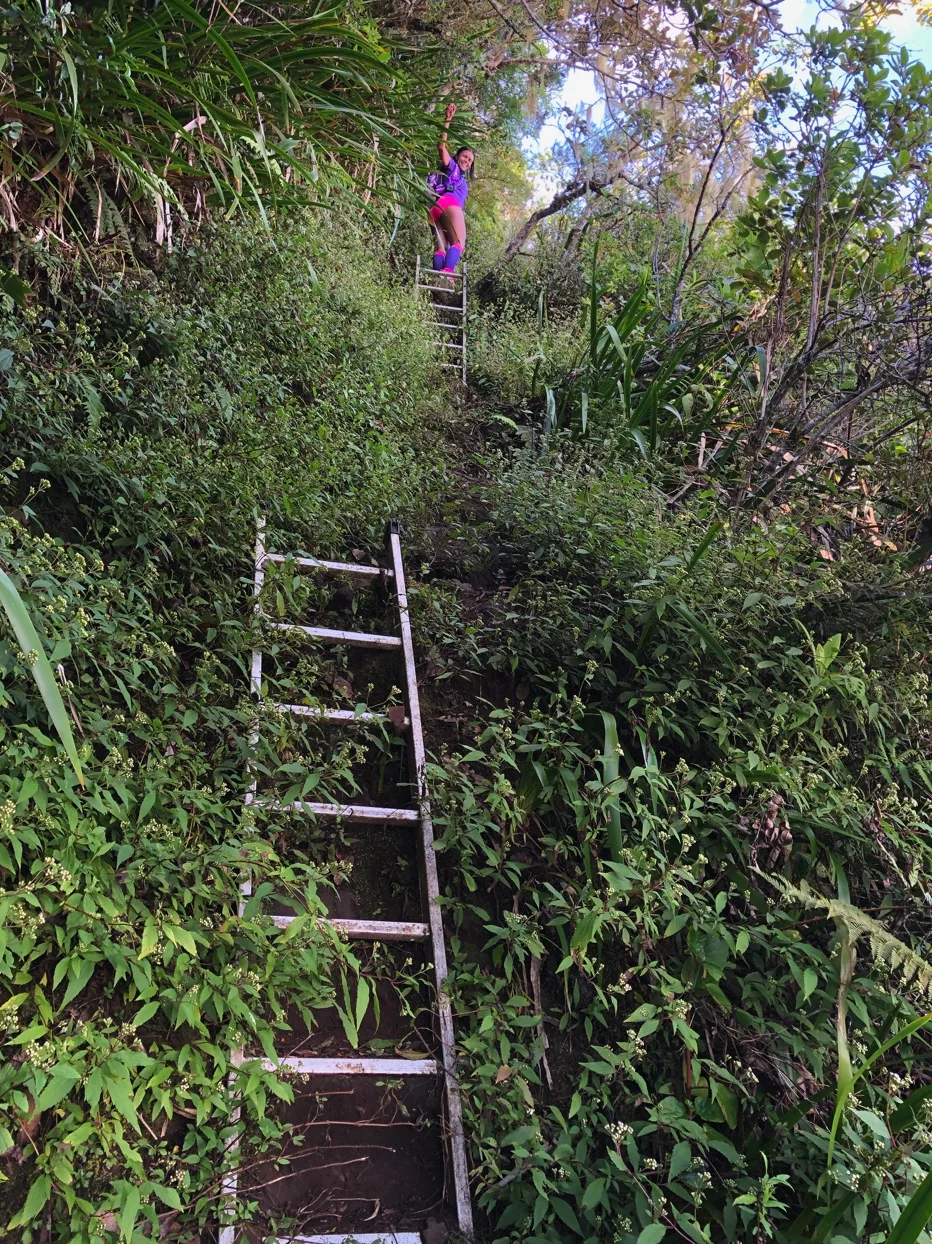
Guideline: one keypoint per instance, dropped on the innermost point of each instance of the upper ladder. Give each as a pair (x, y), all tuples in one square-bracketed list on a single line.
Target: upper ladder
[(428, 931), (447, 298)]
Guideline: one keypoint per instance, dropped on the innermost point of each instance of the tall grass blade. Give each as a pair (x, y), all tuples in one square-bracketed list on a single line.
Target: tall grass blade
[(609, 763), (701, 548), (911, 1223), (701, 630), (846, 1088), (30, 642)]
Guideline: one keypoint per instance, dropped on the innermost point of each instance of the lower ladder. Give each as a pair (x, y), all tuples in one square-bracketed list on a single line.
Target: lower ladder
[(447, 298), (428, 931)]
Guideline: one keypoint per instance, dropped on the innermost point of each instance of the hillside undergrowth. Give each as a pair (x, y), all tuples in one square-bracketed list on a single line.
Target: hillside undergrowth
[(145, 425), (639, 710)]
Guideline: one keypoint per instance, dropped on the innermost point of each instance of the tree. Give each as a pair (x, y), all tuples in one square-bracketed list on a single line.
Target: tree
[(834, 255)]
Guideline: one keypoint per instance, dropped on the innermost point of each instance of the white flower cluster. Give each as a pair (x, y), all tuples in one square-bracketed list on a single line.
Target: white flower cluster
[(56, 875), (619, 1132), (117, 763), (638, 1044), (897, 1085)]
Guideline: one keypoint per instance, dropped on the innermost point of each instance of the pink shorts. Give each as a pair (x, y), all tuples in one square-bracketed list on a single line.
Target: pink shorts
[(445, 201)]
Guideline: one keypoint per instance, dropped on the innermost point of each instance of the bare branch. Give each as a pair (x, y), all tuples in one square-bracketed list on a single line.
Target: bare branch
[(559, 202)]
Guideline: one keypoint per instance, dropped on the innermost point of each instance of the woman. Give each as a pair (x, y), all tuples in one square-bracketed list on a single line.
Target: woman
[(452, 187)]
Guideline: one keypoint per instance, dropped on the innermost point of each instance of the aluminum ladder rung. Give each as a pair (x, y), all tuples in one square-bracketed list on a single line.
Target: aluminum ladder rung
[(457, 366), (353, 639), (354, 813), (448, 345), (355, 1237), (314, 563), (440, 324), (338, 714), (442, 306), (370, 930), (393, 1067)]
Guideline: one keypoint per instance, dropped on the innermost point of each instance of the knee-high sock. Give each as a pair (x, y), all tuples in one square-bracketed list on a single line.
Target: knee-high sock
[(452, 258), (439, 260)]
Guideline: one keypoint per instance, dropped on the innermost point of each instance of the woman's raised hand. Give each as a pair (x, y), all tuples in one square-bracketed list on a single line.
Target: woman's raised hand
[(450, 113)]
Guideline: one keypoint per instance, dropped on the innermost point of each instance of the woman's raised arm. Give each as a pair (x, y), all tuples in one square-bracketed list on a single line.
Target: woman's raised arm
[(442, 145)]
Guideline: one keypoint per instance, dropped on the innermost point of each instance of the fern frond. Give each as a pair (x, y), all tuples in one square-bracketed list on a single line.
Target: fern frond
[(912, 969)]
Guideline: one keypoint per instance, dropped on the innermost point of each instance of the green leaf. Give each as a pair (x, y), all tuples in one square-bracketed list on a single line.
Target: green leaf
[(609, 761), (827, 1223), (148, 803), (810, 980), (58, 1087), (566, 1214), (150, 939), (16, 289), (726, 1102), (29, 642), (842, 1096), (653, 1234), (593, 1194), (362, 1000), (700, 549), (129, 1212), (38, 1197), (911, 1223), (826, 653), (170, 1196), (680, 1158), (701, 630), (676, 924), (645, 1011), (120, 1093), (905, 1114), (78, 980), (180, 937)]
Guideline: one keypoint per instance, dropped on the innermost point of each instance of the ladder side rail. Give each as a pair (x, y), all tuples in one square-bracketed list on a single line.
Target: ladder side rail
[(457, 1139), (463, 325), (230, 1183)]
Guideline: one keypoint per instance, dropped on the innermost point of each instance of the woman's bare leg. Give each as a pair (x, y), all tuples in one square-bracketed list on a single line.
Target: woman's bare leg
[(453, 225), (441, 243)]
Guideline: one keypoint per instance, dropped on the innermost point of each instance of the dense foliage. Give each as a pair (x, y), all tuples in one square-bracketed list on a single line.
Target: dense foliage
[(668, 590), (143, 428), (658, 1023)]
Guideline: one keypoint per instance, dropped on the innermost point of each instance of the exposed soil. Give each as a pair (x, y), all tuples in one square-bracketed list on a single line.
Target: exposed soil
[(378, 877), (371, 1160)]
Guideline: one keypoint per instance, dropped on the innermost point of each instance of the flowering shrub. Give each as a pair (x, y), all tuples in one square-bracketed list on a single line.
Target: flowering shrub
[(650, 1040)]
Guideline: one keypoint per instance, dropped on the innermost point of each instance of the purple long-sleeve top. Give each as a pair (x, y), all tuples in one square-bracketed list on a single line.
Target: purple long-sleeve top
[(457, 185)]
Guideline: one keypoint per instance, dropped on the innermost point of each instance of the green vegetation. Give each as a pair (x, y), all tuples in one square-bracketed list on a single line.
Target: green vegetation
[(667, 589), (154, 428)]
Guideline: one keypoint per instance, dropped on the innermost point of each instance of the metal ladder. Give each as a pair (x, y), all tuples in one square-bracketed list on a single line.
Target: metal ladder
[(454, 336), (430, 931)]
